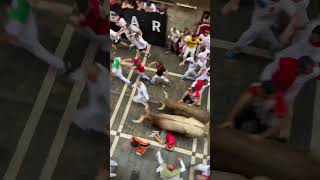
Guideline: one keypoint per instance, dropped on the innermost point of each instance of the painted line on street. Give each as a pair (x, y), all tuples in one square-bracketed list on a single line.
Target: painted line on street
[(124, 89), (124, 116), (193, 159), (66, 121), (39, 105)]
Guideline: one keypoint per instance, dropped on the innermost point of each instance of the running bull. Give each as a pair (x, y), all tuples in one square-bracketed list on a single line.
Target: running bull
[(177, 108), (190, 127)]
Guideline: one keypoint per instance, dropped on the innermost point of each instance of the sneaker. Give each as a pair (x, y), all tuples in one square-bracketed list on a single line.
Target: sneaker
[(230, 54), (113, 174)]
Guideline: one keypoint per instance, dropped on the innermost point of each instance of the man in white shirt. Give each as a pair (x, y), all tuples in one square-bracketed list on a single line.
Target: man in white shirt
[(193, 65), (142, 96), (141, 44), (149, 6), (205, 40), (264, 16), (121, 22), (173, 39), (308, 43), (94, 115)]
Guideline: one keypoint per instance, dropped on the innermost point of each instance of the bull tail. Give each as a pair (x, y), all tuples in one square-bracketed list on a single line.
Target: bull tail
[(206, 129), (165, 94), (142, 117), (162, 104)]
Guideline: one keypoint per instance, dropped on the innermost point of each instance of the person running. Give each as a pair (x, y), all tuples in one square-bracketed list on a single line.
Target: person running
[(120, 22), (191, 46), (173, 39), (94, 115), (94, 25), (264, 16), (117, 71), (307, 45), (138, 67), (140, 146), (193, 94), (264, 105), (20, 30), (193, 66), (290, 74), (142, 95), (205, 40), (167, 171), (160, 73), (141, 45)]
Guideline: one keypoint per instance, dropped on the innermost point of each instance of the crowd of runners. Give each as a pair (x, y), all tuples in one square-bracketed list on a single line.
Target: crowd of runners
[(295, 52), (192, 49)]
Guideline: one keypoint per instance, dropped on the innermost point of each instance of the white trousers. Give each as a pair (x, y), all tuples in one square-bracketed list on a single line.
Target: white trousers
[(190, 72), (139, 99), (143, 75), (156, 77), (27, 35), (256, 31), (118, 73), (189, 51)]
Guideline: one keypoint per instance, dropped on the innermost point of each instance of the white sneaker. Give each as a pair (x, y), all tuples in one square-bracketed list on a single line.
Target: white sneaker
[(113, 174)]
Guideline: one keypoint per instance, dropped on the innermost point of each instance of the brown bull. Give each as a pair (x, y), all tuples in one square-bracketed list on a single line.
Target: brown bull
[(182, 125), (235, 152), (182, 109)]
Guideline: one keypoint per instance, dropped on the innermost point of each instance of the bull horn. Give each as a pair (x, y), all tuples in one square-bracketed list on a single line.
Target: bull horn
[(140, 120), (146, 107), (162, 106), (165, 94)]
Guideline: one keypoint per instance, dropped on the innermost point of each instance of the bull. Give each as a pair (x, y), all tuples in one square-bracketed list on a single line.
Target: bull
[(190, 127), (182, 109)]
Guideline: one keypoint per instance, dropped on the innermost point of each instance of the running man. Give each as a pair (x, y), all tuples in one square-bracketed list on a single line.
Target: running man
[(193, 66), (160, 74), (142, 95), (137, 67), (141, 45), (264, 16), (20, 30), (191, 46), (117, 71), (94, 115)]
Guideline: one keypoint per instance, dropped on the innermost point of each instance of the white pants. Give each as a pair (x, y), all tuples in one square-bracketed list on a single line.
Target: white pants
[(190, 72), (156, 77), (160, 161), (143, 75), (139, 99), (255, 31), (27, 35), (189, 51), (118, 73), (92, 117), (205, 169)]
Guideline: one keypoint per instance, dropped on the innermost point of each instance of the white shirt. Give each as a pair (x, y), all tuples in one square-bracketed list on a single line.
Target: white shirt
[(152, 6), (204, 76), (140, 43), (205, 40), (174, 35), (121, 22), (203, 56), (303, 46), (301, 11), (267, 11), (97, 89), (142, 91), (192, 64)]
